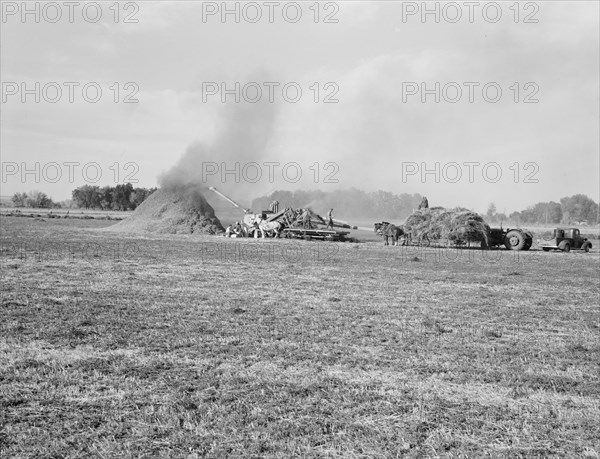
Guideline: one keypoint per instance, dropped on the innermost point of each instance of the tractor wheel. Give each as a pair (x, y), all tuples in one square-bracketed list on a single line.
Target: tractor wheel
[(587, 245), (565, 246), (515, 240)]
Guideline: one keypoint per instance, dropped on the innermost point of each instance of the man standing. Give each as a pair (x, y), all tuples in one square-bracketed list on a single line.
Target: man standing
[(256, 226), (274, 207), (306, 219), (330, 219), (424, 203)]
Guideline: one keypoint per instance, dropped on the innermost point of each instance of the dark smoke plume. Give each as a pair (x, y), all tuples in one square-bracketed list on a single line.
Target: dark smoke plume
[(243, 134)]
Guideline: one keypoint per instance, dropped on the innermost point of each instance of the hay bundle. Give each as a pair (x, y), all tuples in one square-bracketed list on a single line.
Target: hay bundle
[(182, 210), (468, 226), (455, 225)]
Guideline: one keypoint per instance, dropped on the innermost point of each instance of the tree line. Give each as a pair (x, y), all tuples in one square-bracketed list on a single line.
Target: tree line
[(576, 209), (346, 203), (35, 199), (119, 197)]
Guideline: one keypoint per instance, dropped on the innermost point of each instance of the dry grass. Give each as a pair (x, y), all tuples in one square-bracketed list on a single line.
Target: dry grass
[(167, 346)]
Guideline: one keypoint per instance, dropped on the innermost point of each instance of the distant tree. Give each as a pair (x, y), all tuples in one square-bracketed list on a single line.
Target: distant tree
[(554, 212), (542, 212), (19, 199), (119, 197), (579, 208), (105, 197), (38, 199), (86, 196), (122, 197), (139, 195)]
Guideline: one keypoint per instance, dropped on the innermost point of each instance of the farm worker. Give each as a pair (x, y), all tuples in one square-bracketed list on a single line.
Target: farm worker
[(306, 219), (274, 206), (237, 229), (424, 203), (256, 229), (330, 219), (228, 231)]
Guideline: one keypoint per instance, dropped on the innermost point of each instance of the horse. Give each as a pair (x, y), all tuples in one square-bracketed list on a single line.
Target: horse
[(387, 230), (267, 229), (272, 229)]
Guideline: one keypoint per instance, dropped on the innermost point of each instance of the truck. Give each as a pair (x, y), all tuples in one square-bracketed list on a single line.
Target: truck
[(565, 240)]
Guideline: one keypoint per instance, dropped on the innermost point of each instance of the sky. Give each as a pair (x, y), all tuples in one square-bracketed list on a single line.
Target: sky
[(465, 103)]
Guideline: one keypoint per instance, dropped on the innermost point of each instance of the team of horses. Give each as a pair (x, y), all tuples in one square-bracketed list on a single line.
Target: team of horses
[(393, 232), (400, 236)]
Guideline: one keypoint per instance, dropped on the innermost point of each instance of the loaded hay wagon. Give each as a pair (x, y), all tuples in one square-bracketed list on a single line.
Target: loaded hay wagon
[(459, 227), (456, 227)]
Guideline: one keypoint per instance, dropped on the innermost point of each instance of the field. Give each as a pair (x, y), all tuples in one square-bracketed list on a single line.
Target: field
[(182, 346)]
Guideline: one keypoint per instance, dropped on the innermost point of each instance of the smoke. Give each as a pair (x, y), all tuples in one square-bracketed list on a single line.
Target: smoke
[(243, 134)]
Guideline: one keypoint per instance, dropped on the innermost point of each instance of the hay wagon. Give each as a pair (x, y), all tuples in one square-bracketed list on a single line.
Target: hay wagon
[(314, 233), (449, 227)]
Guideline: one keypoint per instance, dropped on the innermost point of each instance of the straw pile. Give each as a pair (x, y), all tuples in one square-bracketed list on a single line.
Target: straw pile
[(178, 210), (453, 225)]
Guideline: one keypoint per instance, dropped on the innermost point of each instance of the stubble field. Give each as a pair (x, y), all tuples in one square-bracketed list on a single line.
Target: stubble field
[(182, 346)]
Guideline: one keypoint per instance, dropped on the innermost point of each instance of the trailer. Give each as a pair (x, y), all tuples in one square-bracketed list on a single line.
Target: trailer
[(313, 233)]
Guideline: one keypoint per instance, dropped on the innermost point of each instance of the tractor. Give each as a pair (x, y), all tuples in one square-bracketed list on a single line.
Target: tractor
[(566, 239), (512, 239)]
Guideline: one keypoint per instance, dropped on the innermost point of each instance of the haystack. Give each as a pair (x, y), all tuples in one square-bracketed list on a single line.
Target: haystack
[(455, 225), (182, 210)]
